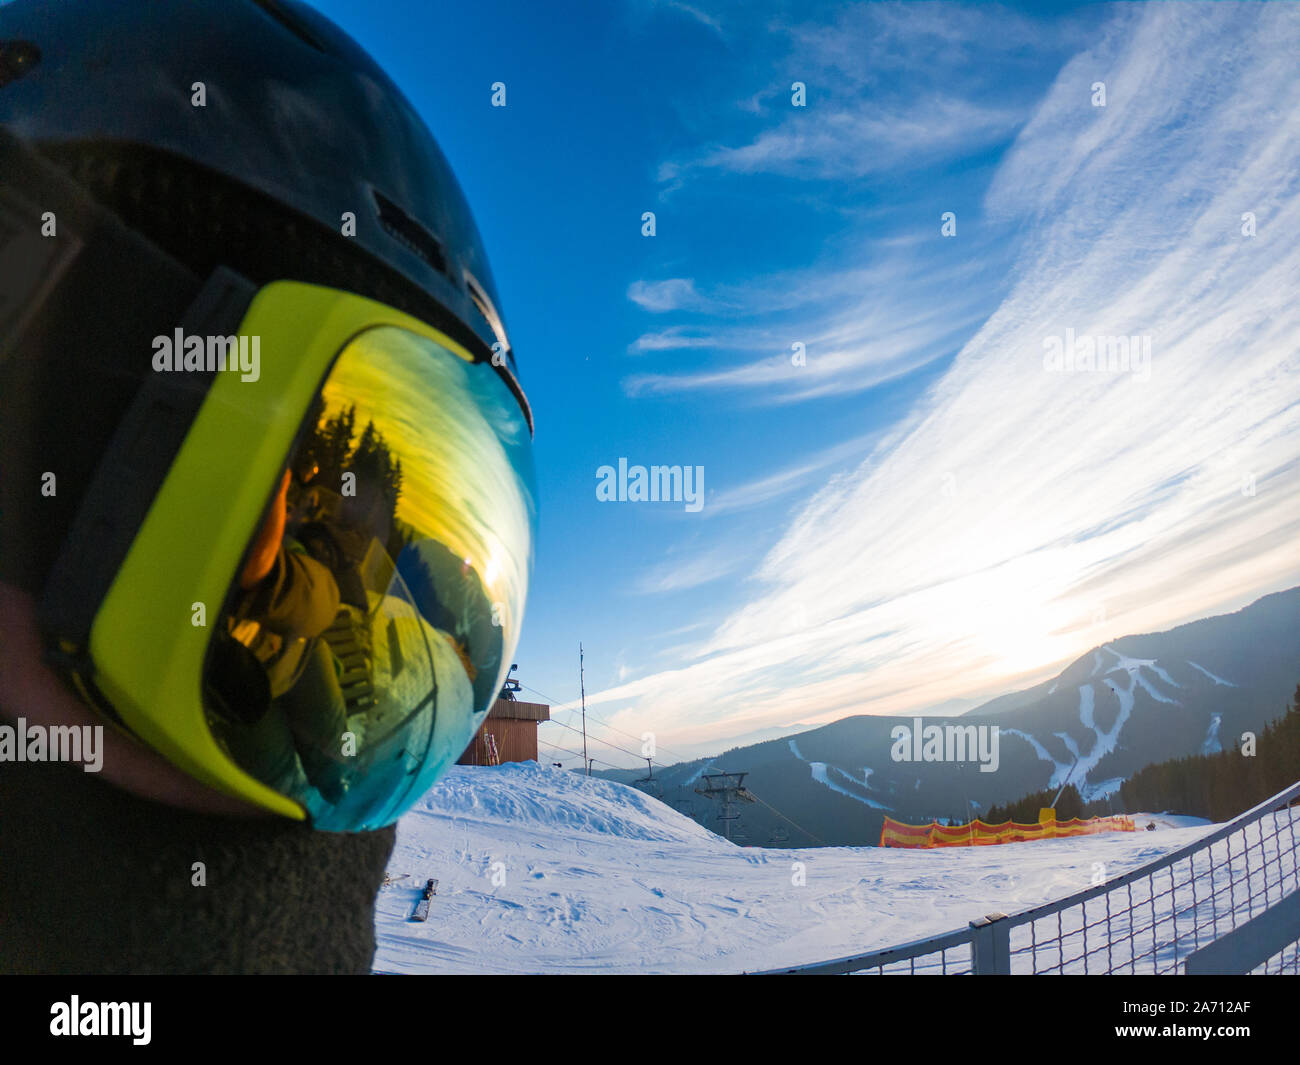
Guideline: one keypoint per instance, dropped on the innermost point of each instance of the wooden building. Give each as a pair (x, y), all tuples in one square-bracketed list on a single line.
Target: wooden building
[(508, 734)]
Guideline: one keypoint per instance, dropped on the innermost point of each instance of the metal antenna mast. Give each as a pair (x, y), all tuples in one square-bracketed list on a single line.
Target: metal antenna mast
[(582, 687)]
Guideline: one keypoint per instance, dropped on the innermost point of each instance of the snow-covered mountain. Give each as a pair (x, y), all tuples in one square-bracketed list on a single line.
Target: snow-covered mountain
[(544, 870), (1123, 705)]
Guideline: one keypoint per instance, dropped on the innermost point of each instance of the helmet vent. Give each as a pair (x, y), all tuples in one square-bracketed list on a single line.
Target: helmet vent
[(406, 230)]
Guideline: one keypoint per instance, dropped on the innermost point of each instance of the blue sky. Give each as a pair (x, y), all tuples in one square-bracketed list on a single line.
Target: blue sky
[(920, 515)]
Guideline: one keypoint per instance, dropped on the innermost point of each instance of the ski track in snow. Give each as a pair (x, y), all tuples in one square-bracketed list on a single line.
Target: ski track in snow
[(1059, 768), (1108, 740), (541, 870), (865, 783), (1147, 687), (821, 774), (1104, 789), (1217, 680), (1134, 666), (1105, 740), (1068, 740), (866, 775), (1212, 744)]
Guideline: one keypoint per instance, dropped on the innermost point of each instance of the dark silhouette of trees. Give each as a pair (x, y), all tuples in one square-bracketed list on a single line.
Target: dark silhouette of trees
[(375, 465), (1024, 811), (378, 472), (1220, 786), (329, 444)]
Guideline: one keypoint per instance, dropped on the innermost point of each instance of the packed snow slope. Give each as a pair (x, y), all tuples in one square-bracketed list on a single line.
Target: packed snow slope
[(543, 870)]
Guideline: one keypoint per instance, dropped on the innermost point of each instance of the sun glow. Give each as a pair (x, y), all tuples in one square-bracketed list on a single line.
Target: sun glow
[(1011, 615)]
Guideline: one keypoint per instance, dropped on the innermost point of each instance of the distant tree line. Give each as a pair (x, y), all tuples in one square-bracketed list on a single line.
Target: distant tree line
[(1215, 786), (1025, 811), (1220, 786)]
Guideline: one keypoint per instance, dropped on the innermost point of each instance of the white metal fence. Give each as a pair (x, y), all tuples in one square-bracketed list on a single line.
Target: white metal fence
[(1230, 902)]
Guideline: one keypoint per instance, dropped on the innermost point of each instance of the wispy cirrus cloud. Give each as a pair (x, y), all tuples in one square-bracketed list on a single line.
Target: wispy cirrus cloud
[(856, 329), (798, 476), (703, 17), (866, 139), (861, 118), (675, 338), (982, 538), (681, 571), (671, 294)]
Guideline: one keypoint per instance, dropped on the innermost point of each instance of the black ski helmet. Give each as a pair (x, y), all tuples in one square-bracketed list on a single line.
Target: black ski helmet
[(179, 170), (297, 126)]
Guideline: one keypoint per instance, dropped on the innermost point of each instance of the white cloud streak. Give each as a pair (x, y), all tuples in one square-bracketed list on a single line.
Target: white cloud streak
[(672, 294), (859, 328), (980, 540)]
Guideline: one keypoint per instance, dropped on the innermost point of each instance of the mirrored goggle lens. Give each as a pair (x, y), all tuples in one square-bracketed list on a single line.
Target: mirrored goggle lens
[(379, 602)]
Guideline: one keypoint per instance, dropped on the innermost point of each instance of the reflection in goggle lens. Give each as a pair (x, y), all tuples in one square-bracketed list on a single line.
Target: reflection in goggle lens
[(381, 596)]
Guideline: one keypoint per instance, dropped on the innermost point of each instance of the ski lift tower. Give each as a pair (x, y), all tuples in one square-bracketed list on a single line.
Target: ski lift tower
[(648, 784), (728, 789)]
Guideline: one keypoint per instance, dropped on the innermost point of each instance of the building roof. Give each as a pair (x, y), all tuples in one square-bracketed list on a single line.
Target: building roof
[(520, 711)]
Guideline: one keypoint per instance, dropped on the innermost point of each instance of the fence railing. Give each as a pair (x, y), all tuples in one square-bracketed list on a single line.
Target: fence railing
[(1229, 902)]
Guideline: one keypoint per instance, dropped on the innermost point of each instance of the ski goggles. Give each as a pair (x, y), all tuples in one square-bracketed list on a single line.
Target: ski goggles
[(309, 597)]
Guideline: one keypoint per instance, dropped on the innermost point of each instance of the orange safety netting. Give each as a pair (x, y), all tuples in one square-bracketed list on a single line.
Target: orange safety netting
[(978, 834)]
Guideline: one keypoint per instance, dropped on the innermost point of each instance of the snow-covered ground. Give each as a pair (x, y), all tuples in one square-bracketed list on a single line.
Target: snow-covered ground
[(543, 870)]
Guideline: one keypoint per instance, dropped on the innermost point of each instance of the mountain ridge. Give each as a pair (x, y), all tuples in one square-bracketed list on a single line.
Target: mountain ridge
[(1125, 703)]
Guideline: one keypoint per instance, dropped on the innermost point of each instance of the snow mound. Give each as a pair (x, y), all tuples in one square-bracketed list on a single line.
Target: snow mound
[(524, 793)]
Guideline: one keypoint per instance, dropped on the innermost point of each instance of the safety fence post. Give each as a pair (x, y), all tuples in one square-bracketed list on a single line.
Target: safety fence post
[(990, 945)]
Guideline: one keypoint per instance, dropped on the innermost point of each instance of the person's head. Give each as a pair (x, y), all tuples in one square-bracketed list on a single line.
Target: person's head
[(229, 245)]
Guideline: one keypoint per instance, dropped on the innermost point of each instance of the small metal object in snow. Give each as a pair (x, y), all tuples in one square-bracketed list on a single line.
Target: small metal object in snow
[(422, 907)]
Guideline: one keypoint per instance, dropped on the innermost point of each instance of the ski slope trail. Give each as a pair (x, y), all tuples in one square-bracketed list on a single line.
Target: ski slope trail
[(543, 870)]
